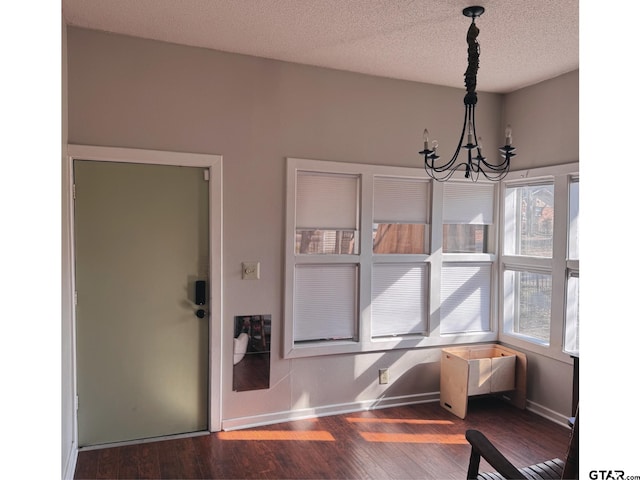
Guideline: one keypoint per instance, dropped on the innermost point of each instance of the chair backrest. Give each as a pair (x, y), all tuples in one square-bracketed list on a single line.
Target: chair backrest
[(481, 447)]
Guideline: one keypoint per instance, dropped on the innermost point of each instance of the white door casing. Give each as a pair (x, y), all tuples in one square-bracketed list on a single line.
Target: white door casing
[(213, 164)]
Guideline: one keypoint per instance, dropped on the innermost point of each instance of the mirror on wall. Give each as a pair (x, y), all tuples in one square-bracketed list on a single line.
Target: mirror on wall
[(251, 352)]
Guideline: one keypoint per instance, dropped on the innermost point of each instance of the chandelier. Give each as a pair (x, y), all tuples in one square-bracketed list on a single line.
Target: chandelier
[(474, 165)]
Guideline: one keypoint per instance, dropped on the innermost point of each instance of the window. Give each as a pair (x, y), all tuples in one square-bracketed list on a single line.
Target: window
[(401, 217), (528, 232), (396, 228), (467, 215), (465, 288), (399, 305), (572, 320), (392, 287), (466, 298), (325, 302), (326, 224), (528, 227), (326, 213), (574, 204), (572, 324), (539, 261), (527, 304)]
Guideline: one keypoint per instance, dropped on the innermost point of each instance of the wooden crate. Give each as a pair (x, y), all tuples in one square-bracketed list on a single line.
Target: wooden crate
[(479, 370)]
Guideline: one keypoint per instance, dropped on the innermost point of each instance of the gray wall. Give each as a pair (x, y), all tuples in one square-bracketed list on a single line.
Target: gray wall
[(545, 122), (137, 93)]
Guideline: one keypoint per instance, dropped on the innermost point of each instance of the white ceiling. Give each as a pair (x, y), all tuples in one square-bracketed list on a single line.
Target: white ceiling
[(522, 42)]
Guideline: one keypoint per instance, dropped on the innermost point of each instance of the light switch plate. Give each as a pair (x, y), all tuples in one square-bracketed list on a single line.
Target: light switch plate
[(250, 270)]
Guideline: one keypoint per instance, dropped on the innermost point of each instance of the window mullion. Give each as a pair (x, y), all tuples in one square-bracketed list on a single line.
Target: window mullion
[(435, 272), (366, 256), (535, 264), (559, 261)]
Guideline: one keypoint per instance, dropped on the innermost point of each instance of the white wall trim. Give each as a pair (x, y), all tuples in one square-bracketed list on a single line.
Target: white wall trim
[(69, 469), (375, 404), (548, 413), (138, 155), (156, 157), (327, 410)]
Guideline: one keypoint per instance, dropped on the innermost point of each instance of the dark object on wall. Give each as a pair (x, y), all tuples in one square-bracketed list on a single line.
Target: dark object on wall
[(201, 292), (251, 352)]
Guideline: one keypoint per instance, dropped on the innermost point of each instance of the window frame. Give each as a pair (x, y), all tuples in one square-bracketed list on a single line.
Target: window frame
[(366, 260), (575, 322), (557, 266)]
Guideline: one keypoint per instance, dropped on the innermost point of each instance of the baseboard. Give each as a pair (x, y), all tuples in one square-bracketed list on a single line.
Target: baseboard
[(69, 469), (336, 409), (383, 402), (548, 413)]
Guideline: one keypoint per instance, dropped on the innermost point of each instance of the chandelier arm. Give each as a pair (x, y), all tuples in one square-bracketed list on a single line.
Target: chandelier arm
[(495, 178), (498, 167), (451, 162), (445, 177), (430, 158), (453, 159), (502, 168)]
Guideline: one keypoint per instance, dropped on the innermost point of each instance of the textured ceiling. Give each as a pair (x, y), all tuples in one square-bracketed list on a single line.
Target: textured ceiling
[(522, 42)]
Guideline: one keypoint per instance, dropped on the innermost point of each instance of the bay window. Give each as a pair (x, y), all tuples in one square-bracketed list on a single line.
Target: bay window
[(539, 260), (381, 257)]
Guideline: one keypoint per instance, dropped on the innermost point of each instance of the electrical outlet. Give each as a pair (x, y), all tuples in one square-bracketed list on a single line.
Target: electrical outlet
[(383, 376)]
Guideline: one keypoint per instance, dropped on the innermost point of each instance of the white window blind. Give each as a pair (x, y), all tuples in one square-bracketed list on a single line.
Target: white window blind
[(574, 210), (572, 323), (325, 302), (399, 299), (465, 296), (398, 200), (326, 201), (470, 203)]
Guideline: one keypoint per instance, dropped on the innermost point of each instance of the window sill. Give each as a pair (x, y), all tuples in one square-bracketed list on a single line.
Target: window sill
[(387, 343), (537, 347)]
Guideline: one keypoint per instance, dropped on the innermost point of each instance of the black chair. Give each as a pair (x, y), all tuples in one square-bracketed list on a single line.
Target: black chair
[(481, 447)]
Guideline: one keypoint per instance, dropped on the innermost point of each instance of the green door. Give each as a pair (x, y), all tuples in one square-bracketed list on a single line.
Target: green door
[(141, 242)]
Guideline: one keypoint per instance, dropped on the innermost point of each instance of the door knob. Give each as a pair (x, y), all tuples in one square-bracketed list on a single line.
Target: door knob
[(200, 313)]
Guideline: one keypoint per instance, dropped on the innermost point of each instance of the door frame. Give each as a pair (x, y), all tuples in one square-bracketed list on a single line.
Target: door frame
[(157, 157)]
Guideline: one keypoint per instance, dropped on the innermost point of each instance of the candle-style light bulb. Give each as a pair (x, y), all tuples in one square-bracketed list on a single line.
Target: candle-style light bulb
[(434, 145), (507, 134), (425, 137)]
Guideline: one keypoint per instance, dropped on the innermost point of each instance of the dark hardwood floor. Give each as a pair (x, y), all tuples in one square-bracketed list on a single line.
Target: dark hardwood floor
[(415, 441)]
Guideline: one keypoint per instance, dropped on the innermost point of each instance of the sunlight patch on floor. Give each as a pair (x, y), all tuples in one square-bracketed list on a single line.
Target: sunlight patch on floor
[(410, 421), (296, 435), (451, 439)]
